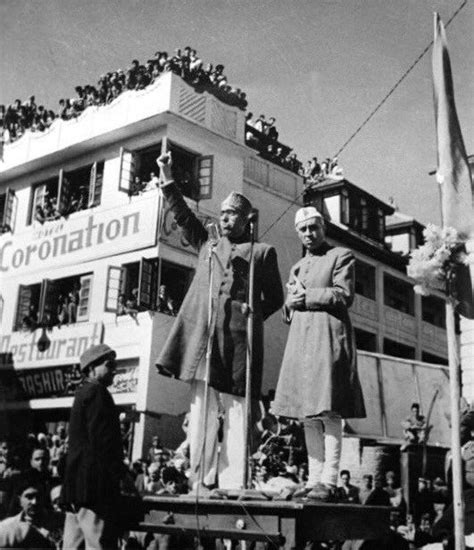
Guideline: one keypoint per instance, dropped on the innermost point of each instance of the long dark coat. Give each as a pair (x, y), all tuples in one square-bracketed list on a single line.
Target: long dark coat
[(94, 463), (319, 369), (183, 354)]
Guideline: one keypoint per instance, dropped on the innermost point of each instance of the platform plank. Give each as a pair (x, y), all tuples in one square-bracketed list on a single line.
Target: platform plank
[(287, 525)]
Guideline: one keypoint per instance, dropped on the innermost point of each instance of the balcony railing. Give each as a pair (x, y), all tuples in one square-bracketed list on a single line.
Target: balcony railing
[(272, 177)]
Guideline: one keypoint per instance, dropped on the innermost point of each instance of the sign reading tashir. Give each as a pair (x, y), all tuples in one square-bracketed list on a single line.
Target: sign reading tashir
[(82, 238)]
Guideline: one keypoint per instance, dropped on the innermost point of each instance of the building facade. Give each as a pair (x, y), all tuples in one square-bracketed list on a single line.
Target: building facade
[(89, 253)]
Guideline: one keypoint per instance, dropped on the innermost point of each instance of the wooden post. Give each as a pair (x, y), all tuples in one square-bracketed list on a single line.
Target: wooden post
[(455, 394)]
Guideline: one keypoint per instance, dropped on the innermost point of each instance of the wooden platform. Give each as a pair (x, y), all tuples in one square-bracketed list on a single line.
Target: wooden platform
[(287, 525)]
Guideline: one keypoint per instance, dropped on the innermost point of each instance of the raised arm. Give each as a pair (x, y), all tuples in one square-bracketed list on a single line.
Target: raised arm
[(193, 230)]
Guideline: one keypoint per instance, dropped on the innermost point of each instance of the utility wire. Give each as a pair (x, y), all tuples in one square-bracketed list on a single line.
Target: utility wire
[(370, 116)]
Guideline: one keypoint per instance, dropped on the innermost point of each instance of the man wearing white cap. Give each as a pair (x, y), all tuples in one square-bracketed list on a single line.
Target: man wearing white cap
[(184, 353), (318, 381)]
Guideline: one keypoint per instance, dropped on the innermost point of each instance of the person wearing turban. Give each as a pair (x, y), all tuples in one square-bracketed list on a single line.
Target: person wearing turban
[(318, 381), (184, 352)]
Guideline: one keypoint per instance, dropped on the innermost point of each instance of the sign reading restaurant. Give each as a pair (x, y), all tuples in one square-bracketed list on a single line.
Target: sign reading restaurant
[(66, 345), (81, 238)]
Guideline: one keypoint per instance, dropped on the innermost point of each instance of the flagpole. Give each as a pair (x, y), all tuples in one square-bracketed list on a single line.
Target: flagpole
[(455, 396)]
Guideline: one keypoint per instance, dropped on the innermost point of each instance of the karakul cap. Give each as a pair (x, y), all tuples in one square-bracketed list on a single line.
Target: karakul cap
[(237, 201)]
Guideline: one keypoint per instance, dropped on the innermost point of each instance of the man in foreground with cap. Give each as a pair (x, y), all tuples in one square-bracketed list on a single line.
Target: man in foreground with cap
[(184, 353), (94, 466), (318, 381)]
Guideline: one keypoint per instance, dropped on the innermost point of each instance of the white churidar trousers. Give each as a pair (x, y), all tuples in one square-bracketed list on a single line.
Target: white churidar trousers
[(323, 435), (228, 464)]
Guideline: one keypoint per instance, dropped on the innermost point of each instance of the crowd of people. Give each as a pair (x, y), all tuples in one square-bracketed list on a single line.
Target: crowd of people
[(20, 116), (262, 135), (279, 466)]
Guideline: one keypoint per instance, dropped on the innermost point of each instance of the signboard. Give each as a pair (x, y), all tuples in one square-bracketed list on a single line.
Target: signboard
[(66, 345), (61, 381), (83, 237)]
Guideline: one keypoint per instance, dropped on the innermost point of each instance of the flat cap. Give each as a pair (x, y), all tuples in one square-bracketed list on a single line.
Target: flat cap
[(94, 353)]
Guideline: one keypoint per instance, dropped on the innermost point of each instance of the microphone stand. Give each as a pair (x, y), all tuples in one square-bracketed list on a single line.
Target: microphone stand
[(246, 482), (210, 342)]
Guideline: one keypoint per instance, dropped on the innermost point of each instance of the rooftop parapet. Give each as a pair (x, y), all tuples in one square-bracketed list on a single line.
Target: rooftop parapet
[(168, 94)]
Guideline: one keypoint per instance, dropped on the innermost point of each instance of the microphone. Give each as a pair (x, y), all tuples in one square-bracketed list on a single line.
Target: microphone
[(213, 234), (252, 217)]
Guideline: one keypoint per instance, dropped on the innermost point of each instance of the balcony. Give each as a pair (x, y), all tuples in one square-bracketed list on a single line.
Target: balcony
[(168, 94)]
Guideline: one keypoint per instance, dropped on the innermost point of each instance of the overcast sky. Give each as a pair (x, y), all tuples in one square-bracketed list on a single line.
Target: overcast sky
[(318, 66)]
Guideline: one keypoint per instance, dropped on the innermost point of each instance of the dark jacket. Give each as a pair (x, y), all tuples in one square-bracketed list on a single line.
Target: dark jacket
[(351, 496), (183, 354), (94, 464)]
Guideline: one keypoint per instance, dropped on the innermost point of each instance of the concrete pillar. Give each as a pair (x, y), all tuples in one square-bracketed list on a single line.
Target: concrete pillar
[(467, 340)]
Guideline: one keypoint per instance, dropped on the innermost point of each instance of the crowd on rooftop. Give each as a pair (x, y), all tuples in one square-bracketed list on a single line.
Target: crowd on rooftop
[(261, 134), (20, 116)]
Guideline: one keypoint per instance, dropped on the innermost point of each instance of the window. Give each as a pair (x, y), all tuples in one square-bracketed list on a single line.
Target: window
[(430, 358), (68, 193), (141, 286), (366, 341), (54, 302), (399, 295), (396, 349), (192, 173), (365, 279), (8, 206), (433, 311)]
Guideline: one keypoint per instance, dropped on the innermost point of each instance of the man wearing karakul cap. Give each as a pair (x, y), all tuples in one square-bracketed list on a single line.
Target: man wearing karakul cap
[(184, 353), (94, 465), (318, 381)]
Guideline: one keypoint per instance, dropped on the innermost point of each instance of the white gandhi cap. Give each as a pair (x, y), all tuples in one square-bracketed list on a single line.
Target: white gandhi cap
[(305, 214)]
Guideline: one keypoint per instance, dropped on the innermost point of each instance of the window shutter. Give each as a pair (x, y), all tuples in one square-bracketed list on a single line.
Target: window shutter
[(38, 200), (205, 173), (83, 307), (11, 206), (64, 194), (127, 170), (92, 182), (147, 281), (48, 301), (23, 306), (114, 287), (3, 208)]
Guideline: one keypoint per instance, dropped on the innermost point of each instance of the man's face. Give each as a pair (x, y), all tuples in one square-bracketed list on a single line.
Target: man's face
[(105, 372), (415, 411), (367, 482), (30, 502), (311, 233), (345, 478), (39, 460), (232, 223)]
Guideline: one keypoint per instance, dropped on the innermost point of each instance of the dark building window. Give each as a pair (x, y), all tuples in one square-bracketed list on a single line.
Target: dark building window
[(431, 358), (399, 295), (365, 279), (67, 193), (433, 311), (192, 173), (54, 302), (147, 285), (365, 341), (396, 349)]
